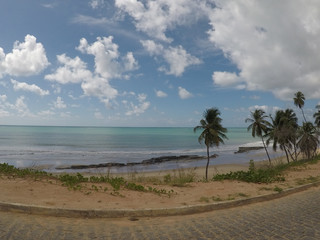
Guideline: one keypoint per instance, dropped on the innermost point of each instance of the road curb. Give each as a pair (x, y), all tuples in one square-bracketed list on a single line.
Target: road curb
[(147, 212)]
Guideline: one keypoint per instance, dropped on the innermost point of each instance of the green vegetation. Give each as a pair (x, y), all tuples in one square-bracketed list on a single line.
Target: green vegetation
[(266, 174), (212, 133), (259, 126), (261, 175), (76, 182), (278, 189), (16, 172), (181, 178)]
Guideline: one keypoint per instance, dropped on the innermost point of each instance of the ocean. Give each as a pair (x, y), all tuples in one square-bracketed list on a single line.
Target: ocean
[(49, 148)]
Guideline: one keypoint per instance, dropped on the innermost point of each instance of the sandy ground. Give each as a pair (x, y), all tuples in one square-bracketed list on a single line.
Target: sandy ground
[(101, 196)]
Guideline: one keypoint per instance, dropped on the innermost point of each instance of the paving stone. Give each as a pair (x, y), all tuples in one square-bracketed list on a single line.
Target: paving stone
[(293, 217)]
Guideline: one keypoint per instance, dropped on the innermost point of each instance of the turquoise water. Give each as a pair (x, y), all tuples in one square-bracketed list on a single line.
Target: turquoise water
[(50, 147)]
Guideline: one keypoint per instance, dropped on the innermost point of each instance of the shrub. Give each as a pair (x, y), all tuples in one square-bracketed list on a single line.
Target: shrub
[(261, 175)]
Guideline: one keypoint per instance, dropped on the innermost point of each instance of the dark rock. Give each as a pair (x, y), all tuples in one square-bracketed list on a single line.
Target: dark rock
[(144, 162), (248, 149)]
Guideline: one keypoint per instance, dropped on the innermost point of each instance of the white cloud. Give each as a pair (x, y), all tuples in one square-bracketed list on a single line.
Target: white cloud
[(156, 17), (275, 46), (98, 115), (27, 87), (46, 113), (177, 57), (3, 98), (88, 20), (73, 71), (59, 103), (27, 58), (130, 63), (4, 113), (161, 94), (106, 55), (96, 3), (225, 79), (140, 108), (184, 94), (265, 108), (21, 107), (99, 87)]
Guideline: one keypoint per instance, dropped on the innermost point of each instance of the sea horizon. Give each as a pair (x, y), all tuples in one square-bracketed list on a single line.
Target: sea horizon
[(50, 147)]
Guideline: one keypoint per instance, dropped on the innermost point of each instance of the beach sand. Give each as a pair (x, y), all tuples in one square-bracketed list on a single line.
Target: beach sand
[(50, 193)]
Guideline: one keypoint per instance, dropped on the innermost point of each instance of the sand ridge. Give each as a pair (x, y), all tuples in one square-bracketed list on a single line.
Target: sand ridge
[(51, 193)]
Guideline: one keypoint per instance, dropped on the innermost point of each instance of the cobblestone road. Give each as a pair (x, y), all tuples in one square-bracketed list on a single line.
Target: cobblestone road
[(293, 217)]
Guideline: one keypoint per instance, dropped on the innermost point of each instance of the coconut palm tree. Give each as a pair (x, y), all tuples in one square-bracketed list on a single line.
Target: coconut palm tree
[(317, 117), (308, 141), (259, 126), (291, 122), (283, 131), (299, 102), (213, 133)]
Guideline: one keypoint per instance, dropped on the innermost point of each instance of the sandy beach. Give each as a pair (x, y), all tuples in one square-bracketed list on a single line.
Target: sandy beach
[(101, 196)]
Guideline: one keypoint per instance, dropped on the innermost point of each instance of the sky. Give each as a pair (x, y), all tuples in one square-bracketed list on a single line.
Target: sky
[(155, 63)]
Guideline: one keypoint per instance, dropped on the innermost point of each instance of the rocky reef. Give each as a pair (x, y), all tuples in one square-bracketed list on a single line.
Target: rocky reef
[(155, 160)]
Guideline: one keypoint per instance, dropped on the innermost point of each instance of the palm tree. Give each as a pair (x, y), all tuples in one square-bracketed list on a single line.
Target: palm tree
[(308, 141), (283, 131), (291, 123), (212, 133), (299, 102), (259, 126), (317, 117)]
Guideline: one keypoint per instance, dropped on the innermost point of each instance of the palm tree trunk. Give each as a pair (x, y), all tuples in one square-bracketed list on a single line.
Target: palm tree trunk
[(265, 148), (305, 120), (208, 155), (285, 150)]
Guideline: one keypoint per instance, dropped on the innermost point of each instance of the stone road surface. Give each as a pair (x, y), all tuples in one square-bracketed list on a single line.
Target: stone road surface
[(293, 217)]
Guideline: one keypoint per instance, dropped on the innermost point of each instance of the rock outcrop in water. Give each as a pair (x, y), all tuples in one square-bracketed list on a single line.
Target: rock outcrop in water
[(155, 160), (247, 149)]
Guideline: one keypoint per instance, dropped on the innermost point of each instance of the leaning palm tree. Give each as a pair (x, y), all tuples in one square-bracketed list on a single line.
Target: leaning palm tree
[(212, 133), (259, 126), (308, 141), (299, 102)]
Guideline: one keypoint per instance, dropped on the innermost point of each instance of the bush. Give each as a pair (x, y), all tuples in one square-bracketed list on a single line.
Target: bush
[(267, 175)]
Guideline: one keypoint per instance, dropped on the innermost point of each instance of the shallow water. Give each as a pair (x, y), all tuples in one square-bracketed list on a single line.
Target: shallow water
[(49, 147)]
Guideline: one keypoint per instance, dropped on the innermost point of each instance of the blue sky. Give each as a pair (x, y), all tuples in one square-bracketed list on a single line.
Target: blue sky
[(155, 63)]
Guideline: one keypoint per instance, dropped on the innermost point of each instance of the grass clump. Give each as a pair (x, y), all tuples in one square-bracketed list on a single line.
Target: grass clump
[(254, 175), (77, 181), (180, 178), (12, 171)]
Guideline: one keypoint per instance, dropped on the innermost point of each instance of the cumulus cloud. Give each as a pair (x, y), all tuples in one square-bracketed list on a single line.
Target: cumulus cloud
[(98, 115), (161, 94), (275, 46), (225, 79), (96, 3), (156, 17), (59, 103), (21, 107), (30, 88), (141, 107), (109, 64), (265, 108), (73, 70), (106, 55), (183, 93), (26, 59), (177, 57), (99, 87), (3, 98)]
